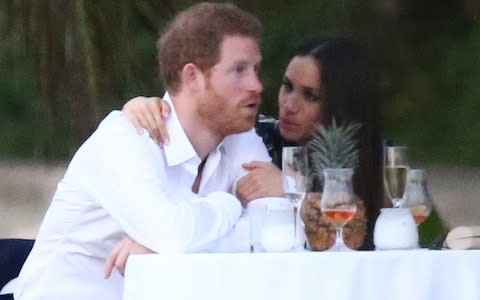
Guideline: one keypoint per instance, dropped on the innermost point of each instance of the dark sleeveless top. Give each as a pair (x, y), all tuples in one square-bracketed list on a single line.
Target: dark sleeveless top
[(267, 129)]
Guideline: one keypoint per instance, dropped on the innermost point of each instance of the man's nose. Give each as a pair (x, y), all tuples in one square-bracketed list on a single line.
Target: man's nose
[(255, 85)]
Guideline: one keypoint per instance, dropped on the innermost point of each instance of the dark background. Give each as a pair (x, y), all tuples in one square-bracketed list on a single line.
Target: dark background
[(65, 64)]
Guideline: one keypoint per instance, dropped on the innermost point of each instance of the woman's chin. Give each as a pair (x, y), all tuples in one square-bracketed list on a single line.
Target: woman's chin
[(289, 135)]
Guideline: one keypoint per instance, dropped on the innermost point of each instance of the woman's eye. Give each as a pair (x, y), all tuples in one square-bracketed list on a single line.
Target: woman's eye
[(287, 85), (310, 96)]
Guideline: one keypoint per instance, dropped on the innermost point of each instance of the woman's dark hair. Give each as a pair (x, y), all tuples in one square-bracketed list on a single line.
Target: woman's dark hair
[(351, 93)]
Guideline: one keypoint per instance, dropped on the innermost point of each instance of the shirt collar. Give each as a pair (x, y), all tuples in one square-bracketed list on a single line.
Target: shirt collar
[(179, 149)]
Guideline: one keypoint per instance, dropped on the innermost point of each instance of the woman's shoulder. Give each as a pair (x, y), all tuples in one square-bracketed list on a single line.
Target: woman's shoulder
[(266, 125), (267, 129), (267, 119)]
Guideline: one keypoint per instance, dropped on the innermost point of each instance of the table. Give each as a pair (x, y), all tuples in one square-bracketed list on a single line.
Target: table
[(385, 275)]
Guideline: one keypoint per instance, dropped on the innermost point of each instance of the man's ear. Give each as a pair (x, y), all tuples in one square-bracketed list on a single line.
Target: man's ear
[(192, 77)]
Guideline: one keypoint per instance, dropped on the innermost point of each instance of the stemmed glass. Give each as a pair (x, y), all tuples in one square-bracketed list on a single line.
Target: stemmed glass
[(417, 197), (338, 203), (395, 173), (294, 176)]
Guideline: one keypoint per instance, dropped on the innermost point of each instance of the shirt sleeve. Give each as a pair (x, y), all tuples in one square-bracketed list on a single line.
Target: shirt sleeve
[(125, 173)]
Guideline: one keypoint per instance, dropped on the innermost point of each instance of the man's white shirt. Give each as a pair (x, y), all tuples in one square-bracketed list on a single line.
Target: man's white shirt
[(121, 183)]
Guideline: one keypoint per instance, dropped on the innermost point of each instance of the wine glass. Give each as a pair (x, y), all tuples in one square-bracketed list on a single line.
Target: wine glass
[(294, 177), (417, 197), (395, 173), (338, 203)]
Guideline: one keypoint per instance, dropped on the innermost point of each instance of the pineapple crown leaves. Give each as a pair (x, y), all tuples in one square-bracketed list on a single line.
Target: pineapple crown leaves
[(334, 147)]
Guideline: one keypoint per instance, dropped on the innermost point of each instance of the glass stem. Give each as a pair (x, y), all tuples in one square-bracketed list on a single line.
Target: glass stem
[(298, 228), (397, 203), (339, 239), (295, 218)]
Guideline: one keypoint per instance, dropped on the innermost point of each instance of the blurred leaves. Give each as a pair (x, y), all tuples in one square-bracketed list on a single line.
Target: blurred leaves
[(65, 64), (79, 58)]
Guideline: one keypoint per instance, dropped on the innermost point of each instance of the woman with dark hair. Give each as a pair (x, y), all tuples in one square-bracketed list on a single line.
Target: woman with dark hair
[(326, 78)]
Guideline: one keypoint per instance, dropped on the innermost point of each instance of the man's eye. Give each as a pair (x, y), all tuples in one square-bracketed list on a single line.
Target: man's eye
[(240, 70), (257, 69)]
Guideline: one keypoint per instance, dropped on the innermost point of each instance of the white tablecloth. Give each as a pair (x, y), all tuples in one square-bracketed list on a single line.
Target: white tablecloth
[(406, 275)]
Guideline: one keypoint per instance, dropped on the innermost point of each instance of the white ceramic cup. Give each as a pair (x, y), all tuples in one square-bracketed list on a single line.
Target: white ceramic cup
[(395, 228)]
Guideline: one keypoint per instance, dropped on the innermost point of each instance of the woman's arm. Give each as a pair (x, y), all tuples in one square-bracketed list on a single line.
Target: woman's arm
[(264, 179), (149, 113)]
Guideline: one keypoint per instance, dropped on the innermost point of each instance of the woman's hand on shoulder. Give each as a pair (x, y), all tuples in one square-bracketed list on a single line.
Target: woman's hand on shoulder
[(149, 113)]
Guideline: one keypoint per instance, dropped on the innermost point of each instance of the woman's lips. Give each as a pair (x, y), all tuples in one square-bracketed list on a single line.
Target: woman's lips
[(288, 124)]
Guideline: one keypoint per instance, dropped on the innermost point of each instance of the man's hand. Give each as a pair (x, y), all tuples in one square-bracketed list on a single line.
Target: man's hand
[(263, 180), (149, 113), (119, 255)]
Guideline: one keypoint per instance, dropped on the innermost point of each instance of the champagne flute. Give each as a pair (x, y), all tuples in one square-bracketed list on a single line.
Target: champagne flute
[(417, 197), (395, 173), (338, 203), (294, 177)]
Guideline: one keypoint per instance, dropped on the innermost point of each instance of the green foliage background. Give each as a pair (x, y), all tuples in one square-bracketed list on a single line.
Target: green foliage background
[(65, 64)]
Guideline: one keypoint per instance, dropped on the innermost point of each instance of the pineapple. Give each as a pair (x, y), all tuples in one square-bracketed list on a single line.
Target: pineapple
[(332, 147)]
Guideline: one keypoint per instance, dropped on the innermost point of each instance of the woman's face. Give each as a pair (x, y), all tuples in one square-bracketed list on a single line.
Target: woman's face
[(300, 99)]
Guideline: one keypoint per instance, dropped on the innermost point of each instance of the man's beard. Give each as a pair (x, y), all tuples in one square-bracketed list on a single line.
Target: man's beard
[(221, 117)]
